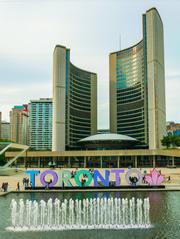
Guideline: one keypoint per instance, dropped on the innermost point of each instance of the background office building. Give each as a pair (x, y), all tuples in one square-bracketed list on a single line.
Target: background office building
[(5, 131), (173, 128), (40, 124), (0, 123), (74, 102), (19, 121), (137, 86)]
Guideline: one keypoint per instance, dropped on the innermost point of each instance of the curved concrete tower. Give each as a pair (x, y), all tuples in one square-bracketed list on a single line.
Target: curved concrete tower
[(74, 102), (137, 86), (59, 80)]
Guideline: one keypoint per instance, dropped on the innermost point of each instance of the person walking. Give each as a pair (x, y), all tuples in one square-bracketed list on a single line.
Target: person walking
[(5, 187), (27, 182), (7, 184), (2, 187), (18, 187), (24, 182)]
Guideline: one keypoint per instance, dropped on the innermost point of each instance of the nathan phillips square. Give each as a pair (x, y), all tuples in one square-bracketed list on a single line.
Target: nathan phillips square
[(89, 119)]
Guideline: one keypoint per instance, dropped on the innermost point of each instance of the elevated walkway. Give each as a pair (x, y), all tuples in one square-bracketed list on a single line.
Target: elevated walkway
[(6, 169)]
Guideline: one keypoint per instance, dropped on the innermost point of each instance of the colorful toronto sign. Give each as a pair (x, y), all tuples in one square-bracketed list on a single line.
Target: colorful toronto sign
[(63, 177)]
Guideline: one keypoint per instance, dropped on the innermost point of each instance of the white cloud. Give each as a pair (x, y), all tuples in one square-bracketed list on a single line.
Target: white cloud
[(29, 31), (22, 95), (173, 97)]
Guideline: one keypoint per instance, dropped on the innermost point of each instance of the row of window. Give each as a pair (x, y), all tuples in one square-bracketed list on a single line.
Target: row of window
[(78, 134), (135, 135), (139, 73), (130, 84), (131, 51), (128, 79), (130, 65), (75, 117), (125, 86), (80, 94), (129, 94), (132, 58), (85, 100), (79, 107), (138, 86), (76, 130), (81, 123), (131, 120), (80, 91), (78, 85), (84, 83), (34, 125), (81, 75), (128, 127), (129, 99), (80, 102), (130, 112)]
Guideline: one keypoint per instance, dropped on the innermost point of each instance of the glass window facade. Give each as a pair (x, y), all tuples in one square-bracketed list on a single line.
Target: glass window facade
[(130, 93), (78, 117), (40, 124), (74, 102)]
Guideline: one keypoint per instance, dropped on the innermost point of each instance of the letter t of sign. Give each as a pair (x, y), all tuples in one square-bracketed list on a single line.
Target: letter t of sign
[(32, 174), (117, 175)]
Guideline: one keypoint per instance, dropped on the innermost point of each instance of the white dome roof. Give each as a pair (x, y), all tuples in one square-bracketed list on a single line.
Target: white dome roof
[(108, 137)]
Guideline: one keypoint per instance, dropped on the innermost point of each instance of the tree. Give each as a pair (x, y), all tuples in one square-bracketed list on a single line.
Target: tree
[(2, 159), (171, 140), (177, 141), (166, 141)]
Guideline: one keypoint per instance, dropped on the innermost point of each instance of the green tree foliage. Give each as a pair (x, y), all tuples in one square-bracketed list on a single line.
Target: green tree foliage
[(177, 141), (171, 141), (2, 159), (5, 140)]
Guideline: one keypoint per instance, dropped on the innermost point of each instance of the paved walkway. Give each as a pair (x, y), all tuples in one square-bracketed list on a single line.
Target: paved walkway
[(172, 188)]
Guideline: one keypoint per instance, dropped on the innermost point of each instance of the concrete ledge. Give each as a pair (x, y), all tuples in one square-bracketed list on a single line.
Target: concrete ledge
[(4, 193), (100, 190), (132, 189), (92, 188)]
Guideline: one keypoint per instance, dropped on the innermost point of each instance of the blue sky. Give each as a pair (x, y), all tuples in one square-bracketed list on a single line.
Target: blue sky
[(29, 31)]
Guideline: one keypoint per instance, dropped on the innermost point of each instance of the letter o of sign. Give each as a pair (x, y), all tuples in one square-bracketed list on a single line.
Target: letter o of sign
[(43, 175), (83, 171), (131, 171)]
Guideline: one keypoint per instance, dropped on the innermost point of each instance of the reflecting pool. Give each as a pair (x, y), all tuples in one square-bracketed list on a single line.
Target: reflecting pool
[(164, 216)]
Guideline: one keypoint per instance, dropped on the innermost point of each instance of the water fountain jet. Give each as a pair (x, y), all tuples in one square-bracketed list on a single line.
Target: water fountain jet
[(96, 213)]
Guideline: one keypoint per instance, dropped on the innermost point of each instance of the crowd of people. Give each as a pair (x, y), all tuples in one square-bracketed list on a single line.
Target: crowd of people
[(4, 187), (26, 182), (133, 180)]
